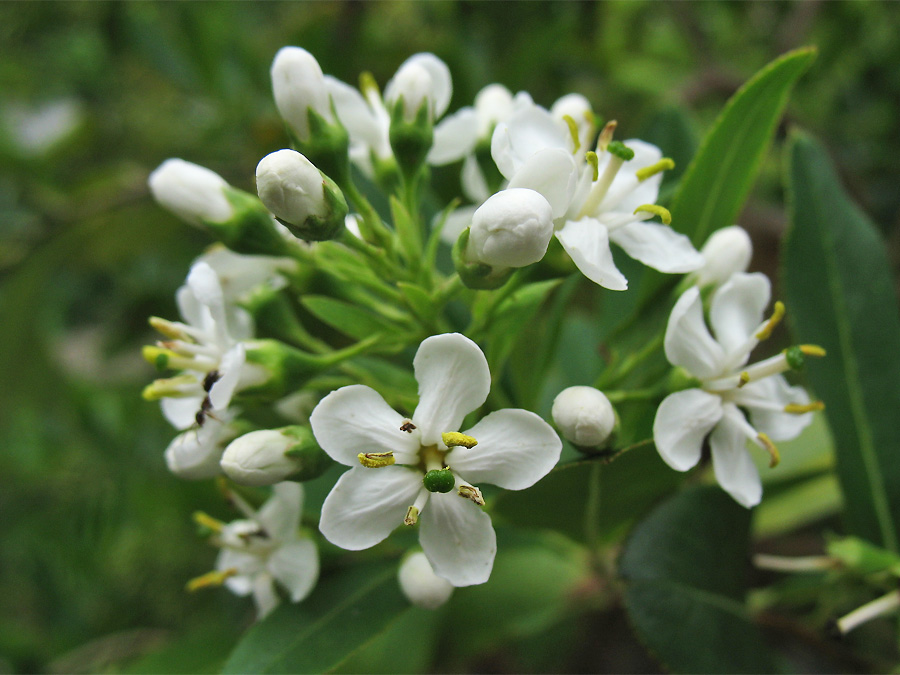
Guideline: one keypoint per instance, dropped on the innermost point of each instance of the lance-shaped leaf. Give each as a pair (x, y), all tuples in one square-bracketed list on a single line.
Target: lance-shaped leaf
[(684, 568), (342, 615), (840, 295)]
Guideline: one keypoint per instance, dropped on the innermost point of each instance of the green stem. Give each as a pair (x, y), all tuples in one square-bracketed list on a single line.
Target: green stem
[(592, 508), (621, 395), (611, 376)]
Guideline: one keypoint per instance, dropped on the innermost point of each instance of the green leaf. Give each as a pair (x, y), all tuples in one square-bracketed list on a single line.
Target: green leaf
[(684, 568), (349, 319), (840, 295), (344, 613), (722, 172), (418, 300), (513, 313)]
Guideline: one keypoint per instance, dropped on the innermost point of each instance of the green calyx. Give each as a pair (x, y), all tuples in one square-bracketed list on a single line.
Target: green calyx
[(477, 275), (250, 230)]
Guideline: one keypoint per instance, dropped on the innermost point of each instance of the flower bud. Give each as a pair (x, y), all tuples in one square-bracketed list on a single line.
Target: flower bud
[(584, 416), (477, 275), (726, 252), (511, 229), (194, 454), (192, 192), (422, 587), (269, 456), (411, 86), (299, 86), (301, 197)]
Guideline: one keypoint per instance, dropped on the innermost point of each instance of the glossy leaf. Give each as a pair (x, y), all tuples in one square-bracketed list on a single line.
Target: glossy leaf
[(840, 295), (684, 568), (349, 319), (342, 615)]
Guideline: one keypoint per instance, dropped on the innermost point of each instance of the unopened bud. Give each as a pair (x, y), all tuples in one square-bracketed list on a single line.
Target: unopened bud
[(299, 86), (411, 86), (301, 197), (269, 456), (511, 229), (477, 275), (422, 587), (584, 416), (725, 253), (192, 192)]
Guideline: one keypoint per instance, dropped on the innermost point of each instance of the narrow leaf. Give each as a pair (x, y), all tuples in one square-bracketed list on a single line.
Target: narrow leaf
[(684, 568), (349, 319), (342, 615), (840, 295)]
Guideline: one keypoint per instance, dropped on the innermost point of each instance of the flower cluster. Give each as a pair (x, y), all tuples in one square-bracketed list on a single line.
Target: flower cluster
[(297, 329)]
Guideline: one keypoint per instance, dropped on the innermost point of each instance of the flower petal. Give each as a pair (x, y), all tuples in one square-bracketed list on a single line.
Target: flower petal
[(366, 505), (363, 125), (516, 448), (587, 243), (732, 463), (688, 343), (247, 566), (454, 380), (441, 80), (264, 595), (682, 422), (552, 173), (356, 419), (230, 368), (472, 181), (295, 566), (181, 412), (735, 312), (194, 454), (528, 130), (454, 137), (658, 246), (280, 515), (458, 539), (765, 401)]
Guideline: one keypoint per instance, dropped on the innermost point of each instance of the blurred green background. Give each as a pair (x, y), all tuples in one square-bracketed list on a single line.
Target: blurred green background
[(97, 541)]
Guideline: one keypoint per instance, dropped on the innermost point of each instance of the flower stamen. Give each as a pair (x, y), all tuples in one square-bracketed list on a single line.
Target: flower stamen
[(573, 132), (801, 408), (665, 164), (471, 492), (376, 460), (210, 579), (606, 135), (664, 215), (777, 315), (207, 521), (769, 446), (455, 439)]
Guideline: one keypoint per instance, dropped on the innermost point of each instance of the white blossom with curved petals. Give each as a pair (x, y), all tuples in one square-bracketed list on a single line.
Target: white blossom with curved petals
[(391, 455)]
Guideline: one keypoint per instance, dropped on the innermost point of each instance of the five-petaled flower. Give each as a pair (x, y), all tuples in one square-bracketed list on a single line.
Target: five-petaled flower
[(422, 469), (777, 410)]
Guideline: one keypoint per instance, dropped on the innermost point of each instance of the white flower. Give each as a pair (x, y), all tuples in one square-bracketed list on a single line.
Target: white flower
[(193, 193), (725, 253), (777, 411), (584, 416), (267, 547), (260, 457), (421, 586), (511, 229), (195, 454), (394, 458), (594, 206), (291, 186), (240, 274), (299, 86), (422, 78)]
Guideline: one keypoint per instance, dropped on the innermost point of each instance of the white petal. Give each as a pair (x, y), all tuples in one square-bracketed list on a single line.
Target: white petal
[(516, 448), (765, 401), (247, 566), (688, 343), (366, 505), (454, 137), (732, 463), (356, 419), (195, 453), (458, 220), (682, 422), (587, 243), (527, 131), (230, 369), (474, 184), (552, 173), (295, 566), (454, 380), (264, 595), (735, 312), (181, 411), (441, 81), (658, 246), (354, 112), (280, 515), (458, 539)]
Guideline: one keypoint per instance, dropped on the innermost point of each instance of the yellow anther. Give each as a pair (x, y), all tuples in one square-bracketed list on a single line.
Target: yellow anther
[(171, 387), (210, 579), (368, 84), (591, 158), (812, 350), (471, 492), (606, 135), (166, 327), (573, 131), (777, 315), (453, 439), (665, 164), (412, 516), (800, 408), (769, 446), (656, 210), (375, 460), (208, 521), (743, 379)]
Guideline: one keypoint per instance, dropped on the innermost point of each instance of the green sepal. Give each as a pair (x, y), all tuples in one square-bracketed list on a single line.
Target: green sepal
[(250, 230), (323, 228), (679, 379), (863, 557), (327, 146), (311, 460), (411, 141), (477, 275)]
